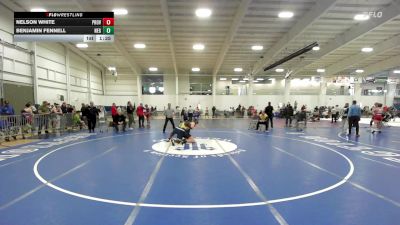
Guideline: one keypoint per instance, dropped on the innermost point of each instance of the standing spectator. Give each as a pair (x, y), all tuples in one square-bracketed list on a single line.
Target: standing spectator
[(64, 108), (269, 110), (169, 116), (335, 113), (289, 112), (27, 117), (213, 109), (7, 108), (140, 114), (44, 111), (147, 114), (207, 114), (84, 113), (196, 115), (114, 111), (92, 114), (184, 114), (354, 116), (129, 111), (344, 114), (190, 113), (56, 112)]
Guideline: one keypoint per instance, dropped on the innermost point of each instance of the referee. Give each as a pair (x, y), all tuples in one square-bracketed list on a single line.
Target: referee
[(169, 116)]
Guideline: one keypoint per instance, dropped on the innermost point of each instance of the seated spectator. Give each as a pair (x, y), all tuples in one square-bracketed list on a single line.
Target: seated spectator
[(119, 119), (262, 119), (76, 120)]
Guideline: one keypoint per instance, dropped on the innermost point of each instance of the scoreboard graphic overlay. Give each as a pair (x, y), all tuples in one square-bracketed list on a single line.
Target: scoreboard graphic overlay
[(64, 26)]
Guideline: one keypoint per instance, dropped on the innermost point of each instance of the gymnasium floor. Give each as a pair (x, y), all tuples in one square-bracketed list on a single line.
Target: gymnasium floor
[(231, 176)]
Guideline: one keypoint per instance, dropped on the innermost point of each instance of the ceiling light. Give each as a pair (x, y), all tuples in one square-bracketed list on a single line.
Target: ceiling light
[(112, 68), (367, 49), (279, 70), (198, 46), (361, 17), (245, 78), (38, 10), (82, 45), (242, 81), (257, 47), (316, 48), (139, 45), (120, 11), (396, 71), (271, 79), (235, 79), (222, 78), (238, 69), (359, 71), (255, 81), (195, 69), (321, 70), (203, 13), (260, 78), (153, 69), (285, 14)]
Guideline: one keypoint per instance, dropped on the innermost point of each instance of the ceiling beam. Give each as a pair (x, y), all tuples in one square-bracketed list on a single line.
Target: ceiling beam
[(319, 9), (164, 8), (388, 13), (237, 20), (84, 5), (347, 62), (389, 63)]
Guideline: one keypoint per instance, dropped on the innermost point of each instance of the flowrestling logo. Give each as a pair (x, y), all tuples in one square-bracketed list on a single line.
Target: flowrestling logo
[(203, 148)]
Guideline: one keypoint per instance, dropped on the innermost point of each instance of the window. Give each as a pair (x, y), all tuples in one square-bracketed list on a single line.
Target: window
[(200, 85), (153, 85)]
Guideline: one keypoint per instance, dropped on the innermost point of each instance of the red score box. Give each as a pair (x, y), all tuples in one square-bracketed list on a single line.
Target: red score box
[(108, 21)]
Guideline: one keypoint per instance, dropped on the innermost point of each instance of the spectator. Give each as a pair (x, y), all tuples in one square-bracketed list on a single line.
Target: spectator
[(262, 119), (64, 107), (335, 113), (44, 111), (84, 113), (130, 109), (184, 114), (7, 109), (289, 113), (92, 114), (140, 114), (213, 109), (147, 114), (269, 110), (190, 113), (114, 111), (119, 119)]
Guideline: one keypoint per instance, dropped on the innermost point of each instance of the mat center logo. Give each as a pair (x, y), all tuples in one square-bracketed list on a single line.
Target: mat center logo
[(204, 147)]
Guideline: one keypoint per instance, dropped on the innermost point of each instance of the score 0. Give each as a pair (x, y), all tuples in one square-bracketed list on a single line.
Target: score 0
[(108, 21), (108, 25)]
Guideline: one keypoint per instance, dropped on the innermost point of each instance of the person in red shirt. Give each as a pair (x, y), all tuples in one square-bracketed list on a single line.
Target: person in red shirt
[(114, 111), (140, 114)]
